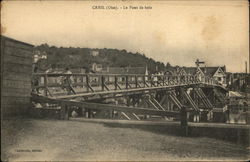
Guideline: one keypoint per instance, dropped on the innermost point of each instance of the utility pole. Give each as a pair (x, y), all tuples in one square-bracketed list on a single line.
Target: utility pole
[(198, 62)]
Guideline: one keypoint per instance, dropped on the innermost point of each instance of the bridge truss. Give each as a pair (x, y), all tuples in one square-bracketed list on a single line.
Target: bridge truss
[(131, 97)]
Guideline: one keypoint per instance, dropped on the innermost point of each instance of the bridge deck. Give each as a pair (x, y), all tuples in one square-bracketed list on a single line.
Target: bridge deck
[(121, 91), (85, 85)]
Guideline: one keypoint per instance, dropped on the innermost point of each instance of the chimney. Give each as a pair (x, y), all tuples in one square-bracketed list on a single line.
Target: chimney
[(246, 66), (224, 68), (146, 71)]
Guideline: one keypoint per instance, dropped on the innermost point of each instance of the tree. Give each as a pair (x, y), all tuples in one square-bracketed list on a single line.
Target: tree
[(168, 65), (78, 57)]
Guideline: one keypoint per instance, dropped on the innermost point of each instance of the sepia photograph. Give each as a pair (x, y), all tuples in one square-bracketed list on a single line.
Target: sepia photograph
[(125, 80)]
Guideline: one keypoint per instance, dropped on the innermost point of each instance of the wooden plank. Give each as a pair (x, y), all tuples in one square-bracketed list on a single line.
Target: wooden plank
[(15, 92), (50, 94), (24, 68), (137, 117), (206, 98), (102, 82), (116, 83), (16, 84), (163, 99), (120, 91), (4, 39), (15, 100), (118, 86), (14, 109), (19, 68), (158, 104), (152, 104), (18, 60), (201, 98), (125, 115), (17, 52), (105, 86), (16, 106), (190, 100), (126, 82), (18, 44), (175, 101), (9, 86), (130, 116), (17, 76)]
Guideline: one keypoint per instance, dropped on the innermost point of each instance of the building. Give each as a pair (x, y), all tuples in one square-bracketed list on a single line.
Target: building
[(136, 71), (16, 71), (218, 73), (96, 67), (58, 80), (39, 55), (239, 81), (94, 53)]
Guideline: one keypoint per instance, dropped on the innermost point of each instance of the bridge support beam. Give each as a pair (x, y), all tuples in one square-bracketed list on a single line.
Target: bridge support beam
[(64, 112), (183, 111), (202, 100), (184, 121)]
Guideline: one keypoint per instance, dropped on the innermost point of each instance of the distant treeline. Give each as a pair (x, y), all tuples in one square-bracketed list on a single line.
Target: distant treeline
[(83, 57)]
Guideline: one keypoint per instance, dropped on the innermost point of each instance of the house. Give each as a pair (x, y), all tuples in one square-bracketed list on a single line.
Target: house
[(62, 71), (39, 55), (53, 79), (177, 70), (169, 71), (94, 53), (96, 67), (138, 71), (239, 81), (217, 73), (194, 71), (81, 70)]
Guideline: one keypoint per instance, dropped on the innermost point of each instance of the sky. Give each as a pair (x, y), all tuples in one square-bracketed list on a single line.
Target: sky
[(178, 32)]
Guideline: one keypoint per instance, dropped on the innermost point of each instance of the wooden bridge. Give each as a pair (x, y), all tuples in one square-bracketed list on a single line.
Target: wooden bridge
[(131, 97)]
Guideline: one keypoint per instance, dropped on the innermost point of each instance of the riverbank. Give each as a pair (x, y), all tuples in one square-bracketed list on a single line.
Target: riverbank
[(33, 139)]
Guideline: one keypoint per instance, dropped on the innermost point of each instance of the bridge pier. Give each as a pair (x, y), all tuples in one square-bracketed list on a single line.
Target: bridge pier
[(64, 112), (184, 121)]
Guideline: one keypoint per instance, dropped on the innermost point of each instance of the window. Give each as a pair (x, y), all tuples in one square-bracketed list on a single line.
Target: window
[(219, 78)]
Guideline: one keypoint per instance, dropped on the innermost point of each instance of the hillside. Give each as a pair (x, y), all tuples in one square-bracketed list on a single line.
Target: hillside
[(85, 57)]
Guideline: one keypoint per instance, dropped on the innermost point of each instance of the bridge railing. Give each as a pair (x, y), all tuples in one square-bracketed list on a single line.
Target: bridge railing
[(42, 82)]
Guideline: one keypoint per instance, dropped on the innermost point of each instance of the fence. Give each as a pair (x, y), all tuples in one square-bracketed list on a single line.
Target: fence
[(106, 82)]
